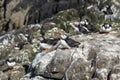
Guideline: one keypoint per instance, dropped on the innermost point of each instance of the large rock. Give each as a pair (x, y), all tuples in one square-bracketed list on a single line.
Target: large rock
[(15, 74), (96, 58), (3, 76), (79, 69), (115, 73), (99, 54), (58, 65)]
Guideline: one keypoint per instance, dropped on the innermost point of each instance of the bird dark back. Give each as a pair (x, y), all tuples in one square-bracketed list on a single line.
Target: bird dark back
[(50, 41), (109, 10), (42, 31), (71, 42)]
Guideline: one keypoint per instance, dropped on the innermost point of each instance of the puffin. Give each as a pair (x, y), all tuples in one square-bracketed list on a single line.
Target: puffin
[(62, 39), (42, 31), (80, 27), (51, 41), (108, 10), (76, 28), (106, 28), (45, 46), (10, 62), (68, 42), (47, 43), (87, 26), (84, 22), (20, 46)]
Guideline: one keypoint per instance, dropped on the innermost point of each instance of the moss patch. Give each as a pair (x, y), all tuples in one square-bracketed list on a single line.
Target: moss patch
[(63, 17)]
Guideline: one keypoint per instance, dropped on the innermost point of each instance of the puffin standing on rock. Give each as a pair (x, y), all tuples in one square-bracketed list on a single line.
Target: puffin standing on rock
[(63, 40), (67, 42), (83, 27), (106, 28), (48, 43), (108, 12), (10, 62), (88, 27), (75, 25)]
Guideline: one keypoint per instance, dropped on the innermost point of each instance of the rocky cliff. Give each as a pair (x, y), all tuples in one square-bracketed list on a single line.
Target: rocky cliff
[(97, 57), (14, 14), (21, 24)]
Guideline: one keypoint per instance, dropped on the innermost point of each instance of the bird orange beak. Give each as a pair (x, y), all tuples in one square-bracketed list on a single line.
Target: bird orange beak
[(10, 68), (59, 36), (106, 32)]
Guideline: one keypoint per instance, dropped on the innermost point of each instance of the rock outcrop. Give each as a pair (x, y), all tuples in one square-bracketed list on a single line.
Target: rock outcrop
[(14, 14), (96, 58)]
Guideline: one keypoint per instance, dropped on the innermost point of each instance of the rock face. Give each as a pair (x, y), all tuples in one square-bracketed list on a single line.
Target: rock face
[(97, 57), (16, 13)]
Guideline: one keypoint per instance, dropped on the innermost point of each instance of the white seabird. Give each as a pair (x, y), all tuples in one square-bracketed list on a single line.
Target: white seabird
[(106, 28), (10, 63)]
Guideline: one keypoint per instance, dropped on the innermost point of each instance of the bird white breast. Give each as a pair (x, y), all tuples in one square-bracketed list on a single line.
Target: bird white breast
[(76, 23), (89, 7), (86, 29), (64, 44), (44, 45), (82, 22), (38, 25), (86, 22), (5, 41), (35, 41), (11, 64), (76, 29), (63, 36), (106, 30), (17, 48), (21, 36)]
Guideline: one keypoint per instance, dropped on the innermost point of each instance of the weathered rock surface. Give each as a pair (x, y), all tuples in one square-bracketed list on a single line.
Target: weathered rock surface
[(16, 13), (97, 57)]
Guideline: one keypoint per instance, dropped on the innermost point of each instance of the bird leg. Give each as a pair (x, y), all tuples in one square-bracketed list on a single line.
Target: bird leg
[(64, 48), (44, 49), (59, 36), (106, 33), (10, 68)]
